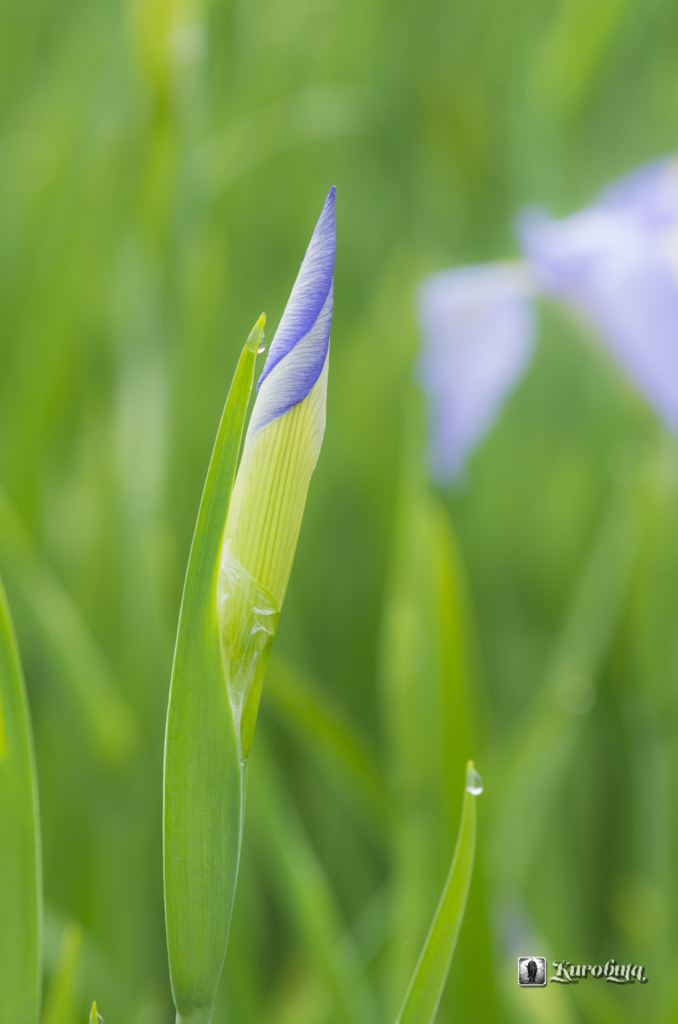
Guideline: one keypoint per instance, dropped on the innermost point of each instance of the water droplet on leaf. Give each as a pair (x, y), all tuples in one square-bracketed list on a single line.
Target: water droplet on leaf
[(474, 784), (262, 346)]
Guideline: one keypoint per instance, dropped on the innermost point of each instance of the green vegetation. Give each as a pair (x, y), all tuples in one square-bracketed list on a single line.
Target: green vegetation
[(160, 167)]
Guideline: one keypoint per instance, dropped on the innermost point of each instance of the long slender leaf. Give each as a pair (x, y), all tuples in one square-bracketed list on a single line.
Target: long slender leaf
[(426, 988), (20, 882), (427, 679), (203, 773)]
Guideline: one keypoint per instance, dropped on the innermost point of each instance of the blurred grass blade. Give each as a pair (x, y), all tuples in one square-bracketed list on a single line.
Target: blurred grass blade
[(304, 888), (426, 988), (94, 1016), (60, 999), (428, 677), (20, 882), (203, 773), (108, 719), (547, 743), (319, 725), (569, 59)]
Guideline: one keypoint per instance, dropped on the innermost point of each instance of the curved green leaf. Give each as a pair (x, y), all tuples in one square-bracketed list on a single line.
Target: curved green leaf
[(426, 988), (203, 773), (20, 884)]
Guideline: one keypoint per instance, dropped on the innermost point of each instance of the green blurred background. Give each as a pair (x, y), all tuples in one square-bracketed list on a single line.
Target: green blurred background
[(162, 164)]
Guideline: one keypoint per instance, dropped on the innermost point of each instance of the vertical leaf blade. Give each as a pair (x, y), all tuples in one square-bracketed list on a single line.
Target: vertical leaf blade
[(20, 885), (428, 678), (203, 774), (426, 988)]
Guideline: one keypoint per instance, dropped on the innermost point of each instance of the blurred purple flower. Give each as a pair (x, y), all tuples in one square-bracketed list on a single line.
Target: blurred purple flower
[(478, 328), (615, 263)]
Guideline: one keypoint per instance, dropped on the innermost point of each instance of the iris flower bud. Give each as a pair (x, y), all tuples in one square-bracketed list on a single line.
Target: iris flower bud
[(281, 449)]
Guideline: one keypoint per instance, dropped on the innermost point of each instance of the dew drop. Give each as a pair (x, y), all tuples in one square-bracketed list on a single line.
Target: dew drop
[(243, 764), (474, 784), (262, 346)]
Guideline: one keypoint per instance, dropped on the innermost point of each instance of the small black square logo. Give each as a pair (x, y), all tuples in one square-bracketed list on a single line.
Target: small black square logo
[(531, 971)]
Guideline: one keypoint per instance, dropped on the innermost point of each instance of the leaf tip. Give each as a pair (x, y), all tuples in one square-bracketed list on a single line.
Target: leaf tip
[(255, 339)]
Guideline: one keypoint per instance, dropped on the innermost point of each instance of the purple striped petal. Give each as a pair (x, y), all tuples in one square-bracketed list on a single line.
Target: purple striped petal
[(615, 263), (293, 377), (478, 328), (307, 318)]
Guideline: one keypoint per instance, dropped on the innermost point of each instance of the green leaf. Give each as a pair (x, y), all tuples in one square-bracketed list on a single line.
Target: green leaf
[(428, 684), (20, 881), (60, 995), (426, 988), (203, 773)]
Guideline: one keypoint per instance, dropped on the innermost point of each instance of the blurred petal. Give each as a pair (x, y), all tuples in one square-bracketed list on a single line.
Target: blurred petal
[(650, 193), (615, 263), (478, 327)]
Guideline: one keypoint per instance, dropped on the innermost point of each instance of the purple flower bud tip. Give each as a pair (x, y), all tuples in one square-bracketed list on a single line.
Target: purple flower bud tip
[(300, 347)]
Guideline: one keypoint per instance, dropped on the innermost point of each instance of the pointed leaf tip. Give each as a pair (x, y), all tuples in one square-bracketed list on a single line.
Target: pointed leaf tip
[(426, 988), (203, 776), (95, 1017), (256, 335)]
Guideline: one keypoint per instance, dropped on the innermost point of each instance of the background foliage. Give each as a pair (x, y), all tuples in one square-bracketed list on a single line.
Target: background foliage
[(161, 166)]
